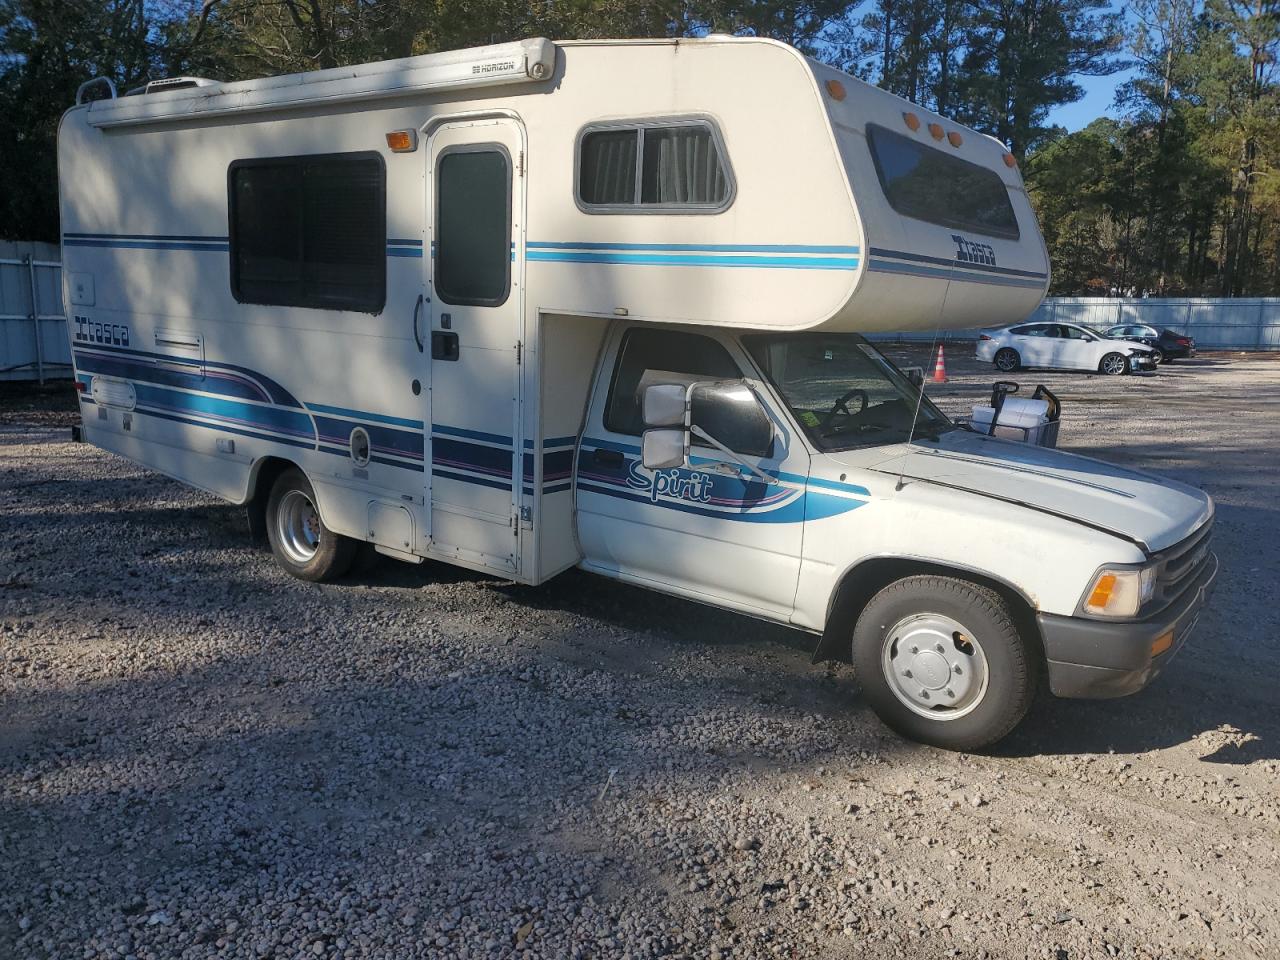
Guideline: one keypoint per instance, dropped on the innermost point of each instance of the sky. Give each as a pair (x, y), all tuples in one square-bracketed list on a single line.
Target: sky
[(1096, 102), (1099, 93)]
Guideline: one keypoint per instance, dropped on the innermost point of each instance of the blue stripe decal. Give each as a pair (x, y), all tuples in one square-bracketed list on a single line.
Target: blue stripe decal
[(470, 434), (957, 274), (366, 416), (388, 440), (481, 481), (147, 371), (147, 245), (695, 247), (699, 260), (221, 428), (231, 411), (958, 264)]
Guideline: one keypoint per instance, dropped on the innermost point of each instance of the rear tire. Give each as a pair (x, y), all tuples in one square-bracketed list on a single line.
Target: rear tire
[(1007, 360), (941, 662), (1158, 356), (1114, 365), (303, 546)]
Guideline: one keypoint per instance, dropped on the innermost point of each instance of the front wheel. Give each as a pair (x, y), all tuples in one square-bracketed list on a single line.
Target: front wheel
[(1007, 360), (1114, 364), (303, 546), (941, 661)]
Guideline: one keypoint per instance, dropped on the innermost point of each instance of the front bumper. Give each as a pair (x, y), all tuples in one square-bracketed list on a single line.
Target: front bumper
[(1141, 361), (1097, 659)]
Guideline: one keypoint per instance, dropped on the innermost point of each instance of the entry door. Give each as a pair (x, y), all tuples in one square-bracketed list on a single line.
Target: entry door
[(476, 290)]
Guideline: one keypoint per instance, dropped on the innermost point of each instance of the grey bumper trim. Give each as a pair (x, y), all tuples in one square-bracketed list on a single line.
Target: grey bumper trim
[(1094, 658)]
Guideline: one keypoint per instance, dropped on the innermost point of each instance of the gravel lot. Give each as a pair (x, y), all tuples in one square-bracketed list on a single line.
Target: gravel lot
[(200, 757)]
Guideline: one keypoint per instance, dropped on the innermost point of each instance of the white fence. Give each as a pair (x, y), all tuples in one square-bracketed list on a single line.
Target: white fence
[(33, 331), (1216, 324)]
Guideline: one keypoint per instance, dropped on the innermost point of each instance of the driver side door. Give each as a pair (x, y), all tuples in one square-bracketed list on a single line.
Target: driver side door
[(715, 531)]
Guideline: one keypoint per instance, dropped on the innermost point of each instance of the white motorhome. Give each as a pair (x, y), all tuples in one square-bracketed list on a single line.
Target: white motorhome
[(599, 304)]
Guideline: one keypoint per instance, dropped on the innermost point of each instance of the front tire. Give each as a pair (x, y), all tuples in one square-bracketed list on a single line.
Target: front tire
[(941, 662), (1114, 365), (1007, 360), (303, 546)]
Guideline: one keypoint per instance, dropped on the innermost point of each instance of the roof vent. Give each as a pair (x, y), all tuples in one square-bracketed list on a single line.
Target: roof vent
[(172, 83)]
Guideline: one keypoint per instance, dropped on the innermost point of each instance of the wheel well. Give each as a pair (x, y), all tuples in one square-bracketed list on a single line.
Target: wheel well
[(868, 578), (264, 475)]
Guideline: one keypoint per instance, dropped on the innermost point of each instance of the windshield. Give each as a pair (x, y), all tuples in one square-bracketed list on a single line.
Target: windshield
[(843, 391)]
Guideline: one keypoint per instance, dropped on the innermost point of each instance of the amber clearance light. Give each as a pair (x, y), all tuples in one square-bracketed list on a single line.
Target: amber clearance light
[(402, 141)]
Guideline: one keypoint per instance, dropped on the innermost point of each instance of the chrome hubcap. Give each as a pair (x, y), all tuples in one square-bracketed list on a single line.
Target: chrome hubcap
[(298, 527), (935, 666)]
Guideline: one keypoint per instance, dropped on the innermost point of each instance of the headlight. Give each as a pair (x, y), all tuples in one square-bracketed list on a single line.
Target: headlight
[(1120, 591)]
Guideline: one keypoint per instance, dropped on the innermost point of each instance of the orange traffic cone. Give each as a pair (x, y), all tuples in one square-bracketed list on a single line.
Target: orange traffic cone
[(940, 368)]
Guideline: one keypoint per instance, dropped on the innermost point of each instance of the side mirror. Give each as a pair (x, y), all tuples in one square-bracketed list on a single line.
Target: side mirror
[(663, 448), (664, 405), (915, 375), (730, 412)]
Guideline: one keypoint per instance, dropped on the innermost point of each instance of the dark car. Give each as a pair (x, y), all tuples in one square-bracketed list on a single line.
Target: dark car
[(1168, 345)]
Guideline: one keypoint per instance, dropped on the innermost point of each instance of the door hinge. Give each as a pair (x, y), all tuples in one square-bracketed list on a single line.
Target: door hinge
[(519, 352), (520, 164)]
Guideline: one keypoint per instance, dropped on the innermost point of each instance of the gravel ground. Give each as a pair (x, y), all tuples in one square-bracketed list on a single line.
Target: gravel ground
[(200, 757)]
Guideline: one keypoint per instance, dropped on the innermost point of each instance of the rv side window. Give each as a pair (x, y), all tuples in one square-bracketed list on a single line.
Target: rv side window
[(927, 184), (667, 356), (652, 167), (309, 231), (472, 259)]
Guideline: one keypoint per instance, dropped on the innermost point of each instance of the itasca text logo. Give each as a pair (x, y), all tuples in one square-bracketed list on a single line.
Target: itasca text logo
[(969, 252), (695, 487)]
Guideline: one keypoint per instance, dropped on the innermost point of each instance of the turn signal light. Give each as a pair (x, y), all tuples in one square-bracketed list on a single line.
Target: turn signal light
[(836, 89), (1161, 643), (983, 336), (1102, 591)]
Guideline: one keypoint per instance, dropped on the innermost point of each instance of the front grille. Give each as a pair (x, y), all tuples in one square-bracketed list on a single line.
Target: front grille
[(1179, 566)]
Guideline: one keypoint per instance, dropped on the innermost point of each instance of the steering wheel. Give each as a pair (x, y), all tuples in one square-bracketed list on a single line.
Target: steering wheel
[(842, 405)]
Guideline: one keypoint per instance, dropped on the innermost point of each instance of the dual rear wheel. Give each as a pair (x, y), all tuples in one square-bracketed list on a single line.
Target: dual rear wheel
[(303, 546)]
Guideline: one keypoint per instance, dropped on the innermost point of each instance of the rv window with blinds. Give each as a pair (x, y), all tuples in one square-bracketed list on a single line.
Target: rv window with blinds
[(669, 166), (928, 184), (309, 231)]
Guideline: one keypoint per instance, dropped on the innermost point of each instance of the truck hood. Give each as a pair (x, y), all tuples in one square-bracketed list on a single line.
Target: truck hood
[(1146, 509)]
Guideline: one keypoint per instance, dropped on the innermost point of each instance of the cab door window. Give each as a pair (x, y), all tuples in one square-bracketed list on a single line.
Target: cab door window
[(649, 356)]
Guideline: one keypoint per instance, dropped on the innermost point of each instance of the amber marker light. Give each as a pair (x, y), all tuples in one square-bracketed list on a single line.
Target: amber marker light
[(1009, 161), (935, 131), (954, 139), (402, 141), (912, 121), (836, 89), (1161, 643), (1102, 591)]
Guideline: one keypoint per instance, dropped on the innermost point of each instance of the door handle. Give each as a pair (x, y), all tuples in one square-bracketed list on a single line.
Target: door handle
[(417, 307), (611, 458)]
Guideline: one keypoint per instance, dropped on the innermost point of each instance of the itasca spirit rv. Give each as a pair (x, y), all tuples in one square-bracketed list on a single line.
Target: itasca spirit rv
[(544, 305)]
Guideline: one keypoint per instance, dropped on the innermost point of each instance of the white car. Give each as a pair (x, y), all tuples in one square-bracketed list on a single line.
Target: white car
[(1061, 346)]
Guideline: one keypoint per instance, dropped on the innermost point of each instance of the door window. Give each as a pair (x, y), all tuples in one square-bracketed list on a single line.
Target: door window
[(669, 356), (473, 227)]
